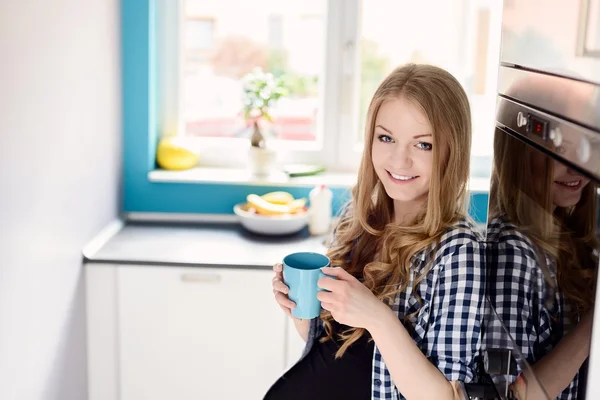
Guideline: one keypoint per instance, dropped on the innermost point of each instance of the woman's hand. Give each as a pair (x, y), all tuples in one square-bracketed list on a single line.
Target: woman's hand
[(349, 301), (281, 290)]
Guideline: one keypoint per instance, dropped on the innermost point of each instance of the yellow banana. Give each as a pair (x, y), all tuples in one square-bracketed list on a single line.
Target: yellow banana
[(278, 198), (297, 205), (264, 207)]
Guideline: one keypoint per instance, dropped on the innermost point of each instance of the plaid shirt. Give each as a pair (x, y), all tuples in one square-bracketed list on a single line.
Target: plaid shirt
[(447, 327), (526, 306)]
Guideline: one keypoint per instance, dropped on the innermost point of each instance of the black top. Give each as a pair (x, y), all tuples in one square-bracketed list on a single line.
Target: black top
[(320, 376)]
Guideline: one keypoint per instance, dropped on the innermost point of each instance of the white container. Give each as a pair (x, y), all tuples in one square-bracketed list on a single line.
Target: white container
[(319, 220), (261, 160)]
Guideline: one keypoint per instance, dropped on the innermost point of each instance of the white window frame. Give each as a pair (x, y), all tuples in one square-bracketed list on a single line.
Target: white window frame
[(335, 150), (336, 147)]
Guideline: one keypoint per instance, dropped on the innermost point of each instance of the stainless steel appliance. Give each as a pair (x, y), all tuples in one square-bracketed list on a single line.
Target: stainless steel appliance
[(542, 220)]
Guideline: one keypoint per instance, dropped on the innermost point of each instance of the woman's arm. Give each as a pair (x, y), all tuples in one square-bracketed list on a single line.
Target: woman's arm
[(517, 295), (412, 373), (302, 326), (454, 332), (553, 373)]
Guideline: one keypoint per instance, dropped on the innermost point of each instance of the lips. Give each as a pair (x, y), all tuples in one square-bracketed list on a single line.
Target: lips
[(570, 185), (401, 178)]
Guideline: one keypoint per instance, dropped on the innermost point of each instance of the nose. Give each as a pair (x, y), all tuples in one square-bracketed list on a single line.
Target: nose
[(571, 171), (401, 158)]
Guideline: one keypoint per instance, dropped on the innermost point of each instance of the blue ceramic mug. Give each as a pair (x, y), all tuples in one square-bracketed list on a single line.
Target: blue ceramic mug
[(301, 271)]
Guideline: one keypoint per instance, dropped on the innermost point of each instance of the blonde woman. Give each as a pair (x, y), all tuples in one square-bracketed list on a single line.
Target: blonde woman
[(403, 318), (540, 251)]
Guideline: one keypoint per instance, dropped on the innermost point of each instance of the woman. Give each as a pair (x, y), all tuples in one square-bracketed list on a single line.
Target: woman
[(402, 319), (540, 252)]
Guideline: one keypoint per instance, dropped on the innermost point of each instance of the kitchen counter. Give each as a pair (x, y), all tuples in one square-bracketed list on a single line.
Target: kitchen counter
[(202, 244)]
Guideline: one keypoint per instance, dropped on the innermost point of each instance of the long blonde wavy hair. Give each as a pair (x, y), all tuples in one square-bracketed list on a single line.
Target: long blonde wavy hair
[(521, 191), (367, 243)]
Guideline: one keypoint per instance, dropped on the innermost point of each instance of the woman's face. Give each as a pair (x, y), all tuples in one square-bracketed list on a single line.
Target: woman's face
[(402, 152), (567, 184)]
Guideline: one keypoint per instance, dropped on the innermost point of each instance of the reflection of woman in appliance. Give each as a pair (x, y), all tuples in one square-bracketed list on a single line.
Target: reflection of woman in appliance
[(541, 260)]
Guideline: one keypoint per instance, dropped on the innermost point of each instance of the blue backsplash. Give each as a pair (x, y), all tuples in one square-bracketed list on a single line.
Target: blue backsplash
[(220, 198)]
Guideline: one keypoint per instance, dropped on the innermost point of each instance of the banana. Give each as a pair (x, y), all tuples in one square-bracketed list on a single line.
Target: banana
[(283, 198), (297, 205), (264, 207)]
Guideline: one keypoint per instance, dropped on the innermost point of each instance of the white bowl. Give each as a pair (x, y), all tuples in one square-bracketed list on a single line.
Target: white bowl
[(270, 224)]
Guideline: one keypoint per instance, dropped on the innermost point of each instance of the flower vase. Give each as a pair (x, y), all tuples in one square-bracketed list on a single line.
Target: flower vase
[(261, 161)]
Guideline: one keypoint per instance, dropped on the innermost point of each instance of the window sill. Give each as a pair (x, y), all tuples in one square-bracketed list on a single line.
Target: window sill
[(479, 185), (233, 176)]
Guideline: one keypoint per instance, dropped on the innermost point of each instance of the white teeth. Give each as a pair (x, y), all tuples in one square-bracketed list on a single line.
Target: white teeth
[(401, 177), (574, 183)]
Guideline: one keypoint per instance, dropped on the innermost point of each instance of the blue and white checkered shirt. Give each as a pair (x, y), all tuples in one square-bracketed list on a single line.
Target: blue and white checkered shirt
[(535, 316), (447, 327)]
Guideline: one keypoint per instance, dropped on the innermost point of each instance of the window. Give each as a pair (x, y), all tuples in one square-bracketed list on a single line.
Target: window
[(199, 38), (461, 36), (331, 55)]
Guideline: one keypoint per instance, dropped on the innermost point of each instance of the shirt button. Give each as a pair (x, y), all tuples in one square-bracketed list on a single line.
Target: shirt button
[(377, 382)]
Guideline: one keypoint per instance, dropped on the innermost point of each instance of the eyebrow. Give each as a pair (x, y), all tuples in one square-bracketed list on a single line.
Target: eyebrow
[(414, 137)]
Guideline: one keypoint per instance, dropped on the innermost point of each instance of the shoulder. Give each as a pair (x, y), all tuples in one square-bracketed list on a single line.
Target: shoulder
[(512, 258), (458, 255), (463, 238), (457, 273), (463, 231), (505, 238)]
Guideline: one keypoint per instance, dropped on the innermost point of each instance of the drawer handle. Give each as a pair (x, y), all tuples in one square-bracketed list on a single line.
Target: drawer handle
[(196, 277)]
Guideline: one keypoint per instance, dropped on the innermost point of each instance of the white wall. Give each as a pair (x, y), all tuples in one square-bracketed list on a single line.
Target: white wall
[(60, 146)]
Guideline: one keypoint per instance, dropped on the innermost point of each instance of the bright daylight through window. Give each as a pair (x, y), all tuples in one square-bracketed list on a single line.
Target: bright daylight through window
[(329, 57)]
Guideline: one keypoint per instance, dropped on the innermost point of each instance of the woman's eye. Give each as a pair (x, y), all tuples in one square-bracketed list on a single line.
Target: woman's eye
[(425, 146), (384, 138)]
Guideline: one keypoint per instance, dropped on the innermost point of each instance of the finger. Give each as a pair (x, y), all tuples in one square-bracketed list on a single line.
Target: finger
[(337, 272), (278, 277), (283, 300), (330, 284), (289, 313), (326, 297), (278, 267), (281, 287), (286, 310), (327, 306)]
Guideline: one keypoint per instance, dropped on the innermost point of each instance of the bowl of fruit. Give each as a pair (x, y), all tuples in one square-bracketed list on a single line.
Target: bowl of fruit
[(275, 213)]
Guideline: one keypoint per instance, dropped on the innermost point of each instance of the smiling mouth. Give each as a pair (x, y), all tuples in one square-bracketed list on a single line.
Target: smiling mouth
[(572, 185), (401, 178)]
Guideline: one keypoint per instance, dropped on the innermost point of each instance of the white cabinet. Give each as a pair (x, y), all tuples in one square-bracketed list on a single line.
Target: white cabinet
[(159, 332)]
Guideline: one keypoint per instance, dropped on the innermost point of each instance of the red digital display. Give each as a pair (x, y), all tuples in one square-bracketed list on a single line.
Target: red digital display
[(537, 126)]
